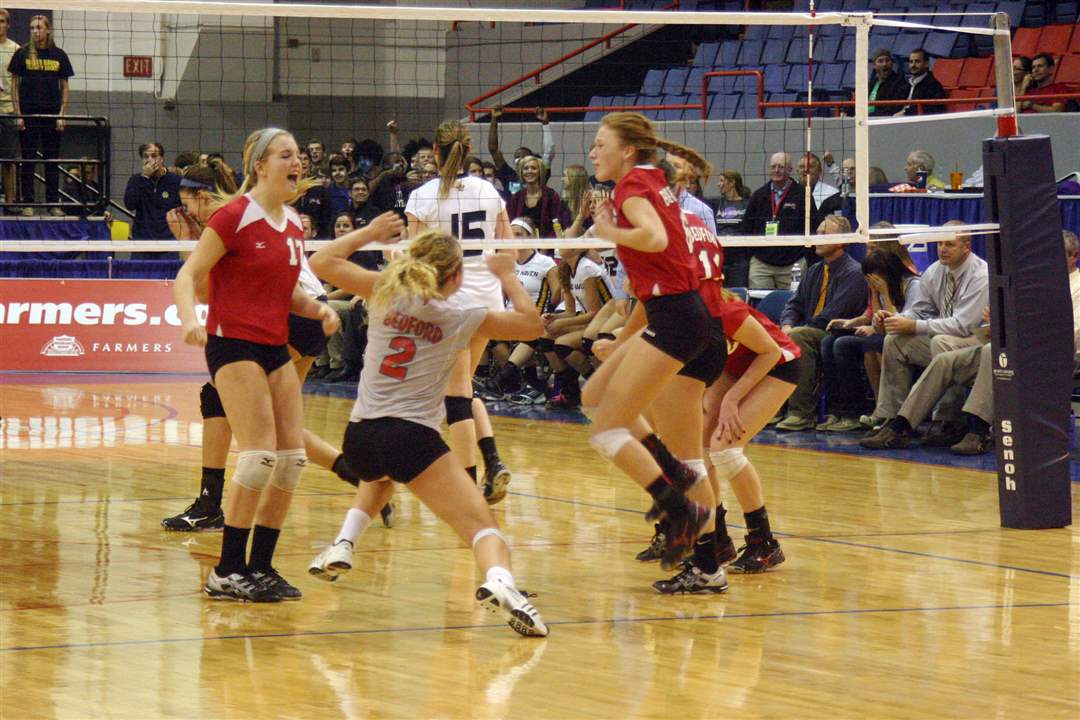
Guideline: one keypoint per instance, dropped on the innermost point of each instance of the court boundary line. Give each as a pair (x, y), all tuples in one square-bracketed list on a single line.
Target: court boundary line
[(562, 623)]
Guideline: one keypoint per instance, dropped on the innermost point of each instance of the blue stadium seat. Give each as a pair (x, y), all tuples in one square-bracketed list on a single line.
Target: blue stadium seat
[(675, 81), (781, 32), (706, 54), (908, 41), (942, 44), (693, 82), (826, 49), (776, 77), (654, 82), (1065, 13), (756, 32), (830, 77), (1014, 9), (797, 51), (729, 54), (774, 52), (679, 99), (976, 20), (771, 112), (849, 77), (796, 79), (772, 305), (649, 100), (723, 106), (750, 53)]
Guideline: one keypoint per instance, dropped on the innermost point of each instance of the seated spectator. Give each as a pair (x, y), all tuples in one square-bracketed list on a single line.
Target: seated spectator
[(186, 159), (946, 315), (960, 367), (885, 84), (1021, 70), (361, 208), (331, 366), (776, 208), (826, 197), (893, 286), (575, 182), (920, 160), (833, 288), (151, 194), (1041, 82), (316, 201), (474, 167), (320, 163), (536, 201), (338, 189), (730, 209), (877, 178), (922, 85)]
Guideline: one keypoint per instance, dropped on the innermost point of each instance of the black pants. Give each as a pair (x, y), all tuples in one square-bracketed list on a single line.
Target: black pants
[(40, 133)]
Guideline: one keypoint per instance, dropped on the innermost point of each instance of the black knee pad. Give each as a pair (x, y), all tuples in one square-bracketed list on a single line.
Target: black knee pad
[(457, 409), (545, 345), (605, 336), (586, 346), (563, 351), (210, 402)]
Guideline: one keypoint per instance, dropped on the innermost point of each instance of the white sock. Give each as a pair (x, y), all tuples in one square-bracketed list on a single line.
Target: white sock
[(356, 521), (501, 574)]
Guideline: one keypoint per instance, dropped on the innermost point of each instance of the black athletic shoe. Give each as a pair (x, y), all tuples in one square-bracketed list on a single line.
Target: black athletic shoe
[(757, 557), (200, 515), (656, 546), (496, 481), (726, 553), (272, 581), (691, 580), (684, 529)]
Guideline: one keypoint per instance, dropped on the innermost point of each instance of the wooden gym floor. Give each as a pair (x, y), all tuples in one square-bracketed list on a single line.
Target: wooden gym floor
[(901, 596)]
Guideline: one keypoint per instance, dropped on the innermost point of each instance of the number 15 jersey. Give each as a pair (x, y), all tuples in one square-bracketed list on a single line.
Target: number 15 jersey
[(412, 345), (251, 285)]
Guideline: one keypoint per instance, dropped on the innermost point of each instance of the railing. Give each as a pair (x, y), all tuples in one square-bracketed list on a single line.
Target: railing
[(471, 106)]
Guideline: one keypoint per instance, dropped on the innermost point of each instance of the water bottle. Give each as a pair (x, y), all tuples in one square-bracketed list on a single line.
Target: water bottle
[(796, 276)]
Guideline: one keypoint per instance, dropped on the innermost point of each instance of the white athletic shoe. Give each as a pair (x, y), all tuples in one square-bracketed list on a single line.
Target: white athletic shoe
[(495, 597), (332, 562)]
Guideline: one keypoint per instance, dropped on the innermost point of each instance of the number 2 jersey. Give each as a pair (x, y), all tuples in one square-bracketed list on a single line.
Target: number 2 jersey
[(251, 285), (412, 345)]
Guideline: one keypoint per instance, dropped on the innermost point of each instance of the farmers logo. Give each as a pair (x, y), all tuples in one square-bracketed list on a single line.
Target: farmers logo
[(63, 346)]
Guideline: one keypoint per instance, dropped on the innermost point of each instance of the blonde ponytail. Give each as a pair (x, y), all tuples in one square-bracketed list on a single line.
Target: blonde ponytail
[(635, 130), (453, 146), (700, 167), (430, 262)]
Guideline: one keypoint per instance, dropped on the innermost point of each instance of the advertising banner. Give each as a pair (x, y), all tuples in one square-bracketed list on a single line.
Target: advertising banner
[(94, 326)]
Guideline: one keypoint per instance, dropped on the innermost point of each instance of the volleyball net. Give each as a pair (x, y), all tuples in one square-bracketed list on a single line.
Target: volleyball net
[(739, 87)]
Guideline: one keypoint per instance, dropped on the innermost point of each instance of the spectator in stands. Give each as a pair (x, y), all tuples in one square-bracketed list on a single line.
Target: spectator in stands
[(506, 174), (9, 132), (776, 208), (922, 85), (878, 178), (1041, 82), (390, 189), (893, 287), (688, 201), (429, 171), (920, 160), (151, 194), (536, 201), (338, 191), (81, 182), (361, 208), (39, 74), (575, 182), (367, 159), (826, 197), (331, 365), (185, 159), (315, 203), (347, 150), (946, 316), (833, 288), (734, 199), (885, 84), (1021, 67), (320, 163), (474, 167), (423, 155)]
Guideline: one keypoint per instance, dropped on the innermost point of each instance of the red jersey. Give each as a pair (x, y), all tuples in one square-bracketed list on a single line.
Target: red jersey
[(251, 286), (672, 271), (734, 314), (709, 256)]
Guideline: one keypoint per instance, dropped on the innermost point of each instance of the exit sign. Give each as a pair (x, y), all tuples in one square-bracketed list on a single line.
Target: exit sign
[(140, 66)]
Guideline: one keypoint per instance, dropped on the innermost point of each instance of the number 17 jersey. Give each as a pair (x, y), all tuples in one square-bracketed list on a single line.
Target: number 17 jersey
[(412, 345)]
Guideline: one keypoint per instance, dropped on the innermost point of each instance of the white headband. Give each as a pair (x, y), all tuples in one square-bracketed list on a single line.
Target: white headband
[(524, 224), (266, 136)]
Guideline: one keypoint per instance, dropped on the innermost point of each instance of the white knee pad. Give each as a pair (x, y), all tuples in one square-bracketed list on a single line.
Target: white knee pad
[(254, 469), (290, 466), (728, 463), (489, 532), (698, 466), (609, 442)]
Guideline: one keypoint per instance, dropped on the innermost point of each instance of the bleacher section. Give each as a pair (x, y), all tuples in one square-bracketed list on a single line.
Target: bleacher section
[(962, 64)]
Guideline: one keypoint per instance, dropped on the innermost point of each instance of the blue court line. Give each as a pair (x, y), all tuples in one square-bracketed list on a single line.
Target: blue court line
[(563, 623), (820, 538)]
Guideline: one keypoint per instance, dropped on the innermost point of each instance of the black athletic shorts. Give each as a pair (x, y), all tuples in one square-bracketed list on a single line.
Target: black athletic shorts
[(788, 372), (391, 447), (678, 325), (220, 351), (306, 336), (707, 366)]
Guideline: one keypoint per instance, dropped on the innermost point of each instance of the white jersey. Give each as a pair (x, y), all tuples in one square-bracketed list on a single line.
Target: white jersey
[(533, 276), (586, 269), (412, 346), (470, 211), (309, 282)]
